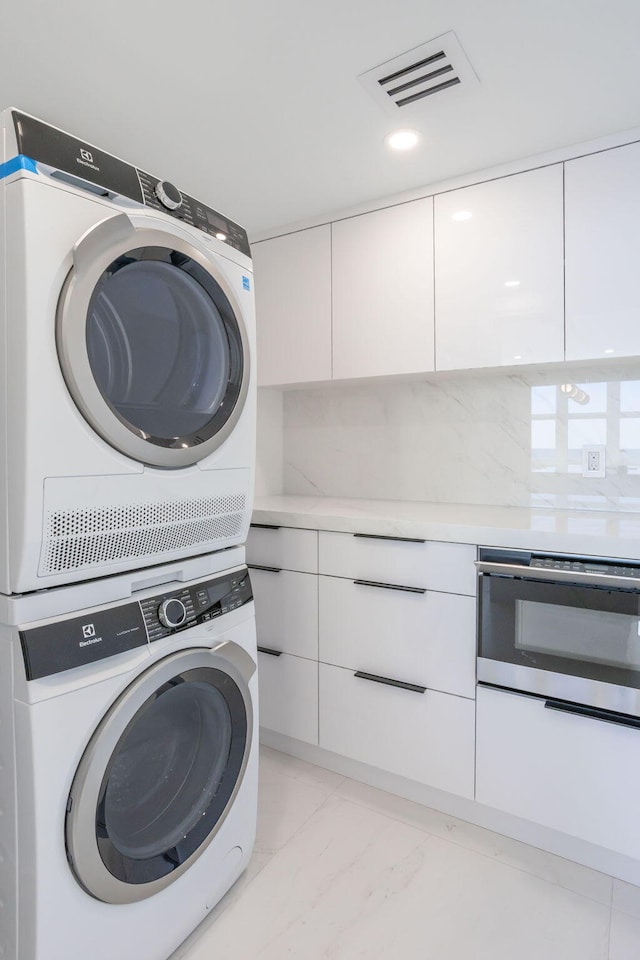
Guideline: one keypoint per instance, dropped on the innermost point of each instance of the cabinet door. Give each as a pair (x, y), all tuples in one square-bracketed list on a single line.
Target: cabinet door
[(286, 611), (382, 291), (499, 272), (427, 737), (602, 242), (284, 547), (448, 567), (288, 691), (293, 307), (426, 638), (572, 773)]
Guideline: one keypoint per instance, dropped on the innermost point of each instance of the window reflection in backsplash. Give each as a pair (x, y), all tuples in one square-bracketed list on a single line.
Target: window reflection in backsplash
[(565, 417), (509, 438)]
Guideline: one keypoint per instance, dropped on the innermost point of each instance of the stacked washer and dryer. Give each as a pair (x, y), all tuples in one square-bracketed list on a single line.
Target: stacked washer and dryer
[(128, 688)]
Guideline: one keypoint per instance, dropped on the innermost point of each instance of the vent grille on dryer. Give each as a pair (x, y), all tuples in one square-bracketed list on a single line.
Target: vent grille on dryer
[(90, 537)]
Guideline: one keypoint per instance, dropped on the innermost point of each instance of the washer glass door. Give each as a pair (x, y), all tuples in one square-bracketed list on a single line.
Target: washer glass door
[(145, 806), (152, 346)]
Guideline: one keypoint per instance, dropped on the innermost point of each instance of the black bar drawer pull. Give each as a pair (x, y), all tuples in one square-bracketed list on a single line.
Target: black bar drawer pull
[(258, 566), (265, 526), (390, 683), (270, 651), (595, 713), (379, 536), (389, 586)]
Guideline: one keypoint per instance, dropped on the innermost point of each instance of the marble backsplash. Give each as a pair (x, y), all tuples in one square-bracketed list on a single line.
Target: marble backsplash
[(510, 439)]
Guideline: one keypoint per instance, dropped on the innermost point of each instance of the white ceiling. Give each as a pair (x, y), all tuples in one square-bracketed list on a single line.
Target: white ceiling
[(254, 105)]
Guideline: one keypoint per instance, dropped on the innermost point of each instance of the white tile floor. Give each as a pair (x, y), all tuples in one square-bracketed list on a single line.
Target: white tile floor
[(344, 871)]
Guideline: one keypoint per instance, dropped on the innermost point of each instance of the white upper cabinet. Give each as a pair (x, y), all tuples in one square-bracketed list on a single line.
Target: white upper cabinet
[(499, 272), (293, 307), (602, 243), (382, 275)]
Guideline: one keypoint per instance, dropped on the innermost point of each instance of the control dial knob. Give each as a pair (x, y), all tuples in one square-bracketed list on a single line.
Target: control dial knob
[(168, 195), (172, 613)]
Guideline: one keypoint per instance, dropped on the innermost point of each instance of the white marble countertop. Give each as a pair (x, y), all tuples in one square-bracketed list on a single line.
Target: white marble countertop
[(590, 532)]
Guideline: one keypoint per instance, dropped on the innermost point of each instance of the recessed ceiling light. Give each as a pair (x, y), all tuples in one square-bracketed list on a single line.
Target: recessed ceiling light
[(221, 236), (402, 139), (518, 357), (512, 283), (610, 350), (462, 215)]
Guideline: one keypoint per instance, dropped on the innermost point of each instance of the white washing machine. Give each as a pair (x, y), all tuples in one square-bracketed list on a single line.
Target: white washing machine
[(127, 434), (128, 741)]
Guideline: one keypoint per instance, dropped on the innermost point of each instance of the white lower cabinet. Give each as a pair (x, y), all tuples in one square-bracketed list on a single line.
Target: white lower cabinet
[(427, 737), (425, 637), (572, 773), (288, 690), (286, 611)]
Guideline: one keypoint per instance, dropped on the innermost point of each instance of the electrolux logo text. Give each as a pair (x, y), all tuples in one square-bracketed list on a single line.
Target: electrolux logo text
[(86, 159), (89, 633)]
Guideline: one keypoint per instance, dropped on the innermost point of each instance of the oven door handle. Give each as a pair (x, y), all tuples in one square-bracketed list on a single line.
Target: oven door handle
[(558, 576), (594, 713)]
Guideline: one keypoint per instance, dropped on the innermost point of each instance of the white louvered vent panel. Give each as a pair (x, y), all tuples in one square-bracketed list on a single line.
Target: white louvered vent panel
[(413, 78), (77, 539)]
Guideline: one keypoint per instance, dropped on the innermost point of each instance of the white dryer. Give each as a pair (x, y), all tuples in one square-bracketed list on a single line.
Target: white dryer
[(129, 749), (127, 434)]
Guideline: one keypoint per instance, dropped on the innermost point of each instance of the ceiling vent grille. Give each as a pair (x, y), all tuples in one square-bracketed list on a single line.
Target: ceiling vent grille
[(413, 78)]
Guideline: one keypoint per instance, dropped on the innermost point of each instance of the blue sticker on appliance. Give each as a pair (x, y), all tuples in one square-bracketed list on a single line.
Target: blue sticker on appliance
[(246, 283), (17, 163)]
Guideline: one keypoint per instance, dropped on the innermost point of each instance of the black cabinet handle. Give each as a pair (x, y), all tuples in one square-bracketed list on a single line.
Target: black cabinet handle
[(258, 566), (378, 536), (265, 526), (390, 683), (389, 586), (595, 713), (270, 651)]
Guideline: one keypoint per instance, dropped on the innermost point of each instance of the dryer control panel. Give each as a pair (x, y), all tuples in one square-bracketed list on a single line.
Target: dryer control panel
[(78, 162), (99, 634)]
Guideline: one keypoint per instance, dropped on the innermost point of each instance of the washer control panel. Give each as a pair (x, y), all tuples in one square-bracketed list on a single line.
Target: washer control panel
[(167, 613)]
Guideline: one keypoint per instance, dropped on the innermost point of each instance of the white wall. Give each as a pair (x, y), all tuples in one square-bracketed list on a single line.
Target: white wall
[(269, 454), (492, 438)]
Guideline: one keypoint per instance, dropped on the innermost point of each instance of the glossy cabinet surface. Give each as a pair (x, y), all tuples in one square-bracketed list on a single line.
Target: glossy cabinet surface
[(288, 691), (283, 547), (431, 564), (427, 737), (424, 638), (287, 605), (499, 288), (382, 291), (571, 773), (602, 243), (293, 307)]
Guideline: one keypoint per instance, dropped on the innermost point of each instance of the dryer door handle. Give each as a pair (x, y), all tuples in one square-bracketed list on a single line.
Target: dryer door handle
[(107, 237)]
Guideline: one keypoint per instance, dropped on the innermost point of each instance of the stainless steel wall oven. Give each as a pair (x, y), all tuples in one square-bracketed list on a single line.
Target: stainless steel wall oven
[(561, 626)]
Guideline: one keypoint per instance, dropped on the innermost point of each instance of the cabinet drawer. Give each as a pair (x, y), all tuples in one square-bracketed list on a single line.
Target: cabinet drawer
[(428, 737), (283, 547), (438, 566), (425, 638), (287, 611), (568, 772), (288, 690)]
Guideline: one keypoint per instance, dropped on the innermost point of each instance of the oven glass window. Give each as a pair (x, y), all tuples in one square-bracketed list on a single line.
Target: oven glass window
[(598, 636)]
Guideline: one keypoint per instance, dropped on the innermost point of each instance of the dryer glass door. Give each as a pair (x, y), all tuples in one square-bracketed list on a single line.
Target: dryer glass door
[(150, 803), (153, 349)]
